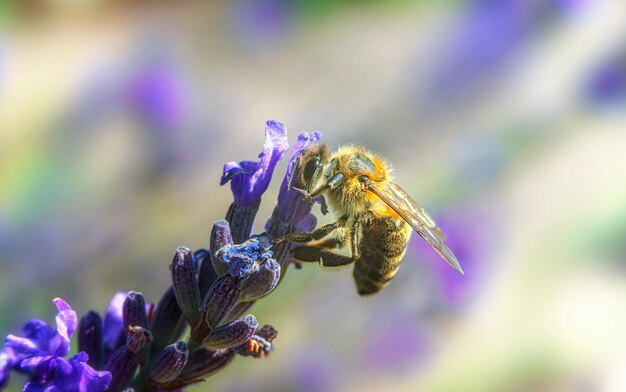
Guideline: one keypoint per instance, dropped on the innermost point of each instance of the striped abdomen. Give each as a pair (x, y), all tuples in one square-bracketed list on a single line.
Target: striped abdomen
[(383, 245)]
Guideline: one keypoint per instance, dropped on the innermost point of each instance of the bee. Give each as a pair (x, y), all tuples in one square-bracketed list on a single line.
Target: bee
[(375, 216)]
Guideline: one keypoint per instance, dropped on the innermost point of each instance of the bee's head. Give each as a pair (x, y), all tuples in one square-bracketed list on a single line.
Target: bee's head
[(310, 167)]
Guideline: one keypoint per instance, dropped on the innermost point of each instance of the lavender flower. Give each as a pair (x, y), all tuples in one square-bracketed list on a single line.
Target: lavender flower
[(292, 212), (291, 206), (114, 321), (41, 353), (249, 180), (136, 344), (7, 360)]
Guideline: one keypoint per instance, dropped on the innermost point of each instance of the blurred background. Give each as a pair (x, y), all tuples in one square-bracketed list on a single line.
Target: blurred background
[(505, 119)]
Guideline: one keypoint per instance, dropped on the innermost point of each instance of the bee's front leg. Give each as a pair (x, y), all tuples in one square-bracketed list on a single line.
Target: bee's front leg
[(307, 236)]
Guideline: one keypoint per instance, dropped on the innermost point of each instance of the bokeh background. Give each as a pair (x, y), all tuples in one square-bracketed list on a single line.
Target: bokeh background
[(506, 119)]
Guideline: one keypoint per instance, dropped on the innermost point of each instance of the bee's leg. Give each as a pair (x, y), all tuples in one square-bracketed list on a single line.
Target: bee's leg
[(306, 236), (329, 243), (355, 242), (331, 184), (330, 257), (326, 257)]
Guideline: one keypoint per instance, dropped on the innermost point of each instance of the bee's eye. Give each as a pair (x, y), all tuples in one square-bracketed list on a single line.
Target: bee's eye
[(311, 167)]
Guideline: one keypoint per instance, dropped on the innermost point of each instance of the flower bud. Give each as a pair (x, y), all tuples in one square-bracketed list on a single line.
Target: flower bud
[(168, 323), (220, 237), (261, 282), (90, 338), (201, 364), (221, 298), (241, 218), (138, 338), (185, 283), (134, 310), (170, 363), (122, 365), (232, 334)]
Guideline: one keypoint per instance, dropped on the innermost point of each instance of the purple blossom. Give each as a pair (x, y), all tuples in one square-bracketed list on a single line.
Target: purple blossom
[(292, 212), (248, 180), (7, 360), (41, 353), (114, 321), (291, 206)]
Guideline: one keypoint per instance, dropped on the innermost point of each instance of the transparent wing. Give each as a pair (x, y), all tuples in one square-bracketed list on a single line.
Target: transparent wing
[(396, 198)]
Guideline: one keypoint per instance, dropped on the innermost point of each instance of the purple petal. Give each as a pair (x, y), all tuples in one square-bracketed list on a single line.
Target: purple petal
[(34, 386), (67, 320), (248, 180), (291, 206), (114, 320), (22, 345), (83, 377), (307, 223), (66, 375), (7, 360), (93, 380), (43, 368), (41, 334), (304, 141), (35, 361), (80, 357)]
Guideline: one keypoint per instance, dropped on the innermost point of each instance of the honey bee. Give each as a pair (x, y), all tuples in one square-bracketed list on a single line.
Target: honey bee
[(375, 216)]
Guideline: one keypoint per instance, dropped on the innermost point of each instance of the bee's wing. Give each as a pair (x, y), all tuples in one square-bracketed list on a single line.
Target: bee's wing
[(396, 198)]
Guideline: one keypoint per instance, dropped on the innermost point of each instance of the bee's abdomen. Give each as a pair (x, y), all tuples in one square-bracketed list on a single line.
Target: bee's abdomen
[(382, 248)]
